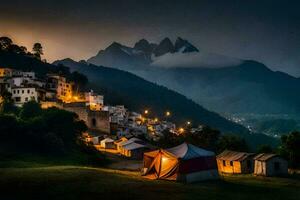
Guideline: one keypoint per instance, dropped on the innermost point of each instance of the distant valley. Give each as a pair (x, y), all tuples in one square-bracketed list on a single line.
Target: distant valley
[(222, 84)]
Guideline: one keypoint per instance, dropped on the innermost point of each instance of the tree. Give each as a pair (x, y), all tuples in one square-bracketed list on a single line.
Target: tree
[(17, 49), (290, 148), (206, 138), (232, 142), (264, 149), (170, 139), (7, 106), (30, 109), (37, 50), (5, 43)]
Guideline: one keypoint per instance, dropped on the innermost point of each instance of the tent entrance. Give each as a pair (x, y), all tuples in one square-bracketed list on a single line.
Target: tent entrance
[(163, 166)]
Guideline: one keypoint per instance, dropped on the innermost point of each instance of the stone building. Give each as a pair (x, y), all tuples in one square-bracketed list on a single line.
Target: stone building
[(95, 120)]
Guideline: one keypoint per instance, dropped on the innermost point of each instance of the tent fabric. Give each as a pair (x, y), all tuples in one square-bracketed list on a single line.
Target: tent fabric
[(197, 164), (188, 151), (184, 162)]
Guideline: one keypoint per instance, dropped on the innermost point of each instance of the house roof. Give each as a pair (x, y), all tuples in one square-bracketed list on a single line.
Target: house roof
[(233, 155), (121, 140), (107, 140), (264, 156), (133, 146), (131, 140)]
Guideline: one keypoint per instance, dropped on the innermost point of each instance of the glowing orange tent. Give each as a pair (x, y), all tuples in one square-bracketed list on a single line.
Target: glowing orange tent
[(186, 163)]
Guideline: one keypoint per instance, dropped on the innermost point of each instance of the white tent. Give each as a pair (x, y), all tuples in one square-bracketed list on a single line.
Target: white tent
[(184, 162)]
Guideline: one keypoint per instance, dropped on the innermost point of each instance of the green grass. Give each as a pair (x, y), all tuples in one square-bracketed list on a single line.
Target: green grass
[(22, 160), (74, 182)]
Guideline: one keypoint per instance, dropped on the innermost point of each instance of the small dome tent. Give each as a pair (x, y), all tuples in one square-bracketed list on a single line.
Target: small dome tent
[(185, 163)]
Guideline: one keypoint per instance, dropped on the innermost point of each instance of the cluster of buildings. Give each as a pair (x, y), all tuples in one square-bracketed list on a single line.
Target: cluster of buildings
[(102, 120)]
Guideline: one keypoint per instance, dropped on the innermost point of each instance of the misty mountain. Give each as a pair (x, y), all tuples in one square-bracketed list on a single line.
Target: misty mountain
[(184, 46), (220, 83), (141, 55), (249, 87)]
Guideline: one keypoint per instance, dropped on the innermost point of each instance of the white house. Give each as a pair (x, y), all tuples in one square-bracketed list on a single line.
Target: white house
[(107, 143), (21, 95)]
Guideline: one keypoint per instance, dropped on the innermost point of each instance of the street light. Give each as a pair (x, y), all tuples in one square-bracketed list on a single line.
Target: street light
[(146, 112), (181, 130), (188, 123), (168, 113)]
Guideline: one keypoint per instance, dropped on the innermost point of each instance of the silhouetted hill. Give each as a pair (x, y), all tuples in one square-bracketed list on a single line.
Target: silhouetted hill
[(139, 94), (120, 87)]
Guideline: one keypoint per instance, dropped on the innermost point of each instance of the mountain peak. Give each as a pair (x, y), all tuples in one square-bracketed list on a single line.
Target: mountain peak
[(165, 46), (184, 46), (114, 45), (144, 45), (142, 42)]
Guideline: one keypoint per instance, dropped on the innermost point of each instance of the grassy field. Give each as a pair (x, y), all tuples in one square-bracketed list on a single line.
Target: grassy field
[(74, 182)]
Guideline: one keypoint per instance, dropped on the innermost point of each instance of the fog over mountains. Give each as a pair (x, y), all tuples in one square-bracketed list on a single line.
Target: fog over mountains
[(220, 83)]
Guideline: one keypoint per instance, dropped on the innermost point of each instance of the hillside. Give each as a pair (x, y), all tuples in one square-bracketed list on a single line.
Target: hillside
[(247, 88), (71, 182), (120, 87)]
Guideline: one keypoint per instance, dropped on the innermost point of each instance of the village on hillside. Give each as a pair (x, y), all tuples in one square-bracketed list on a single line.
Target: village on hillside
[(107, 124), (116, 130)]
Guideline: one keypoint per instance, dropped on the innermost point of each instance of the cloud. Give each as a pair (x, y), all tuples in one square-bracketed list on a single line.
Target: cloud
[(195, 59)]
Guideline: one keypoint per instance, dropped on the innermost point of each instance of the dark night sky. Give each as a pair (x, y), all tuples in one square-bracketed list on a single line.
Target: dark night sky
[(267, 31)]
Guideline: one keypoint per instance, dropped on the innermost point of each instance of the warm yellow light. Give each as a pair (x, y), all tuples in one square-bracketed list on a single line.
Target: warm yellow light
[(76, 98), (181, 130), (188, 123), (168, 113), (156, 120), (146, 111), (164, 159)]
